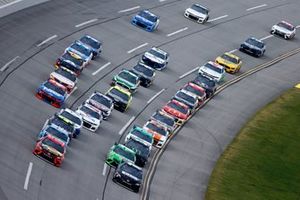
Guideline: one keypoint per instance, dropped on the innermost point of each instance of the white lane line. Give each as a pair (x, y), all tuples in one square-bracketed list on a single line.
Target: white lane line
[(75, 88), (217, 18), (11, 3), (178, 31), (28, 176), (104, 169), (264, 38), (298, 26), (86, 22), (129, 9), (156, 95), (101, 68), (8, 63), (188, 73), (126, 125), (162, 0), (255, 7), (232, 51), (136, 48), (47, 40)]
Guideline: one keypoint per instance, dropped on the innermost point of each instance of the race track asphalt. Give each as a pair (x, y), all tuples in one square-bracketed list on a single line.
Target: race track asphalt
[(81, 175)]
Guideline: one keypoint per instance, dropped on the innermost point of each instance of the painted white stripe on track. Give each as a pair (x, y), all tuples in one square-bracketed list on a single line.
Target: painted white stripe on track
[(129, 9), (9, 4), (156, 95), (46, 40), (178, 31), (101, 68), (8, 63), (29, 170), (188, 73), (75, 88), (232, 51), (86, 22), (217, 18), (264, 38), (126, 125), (104, 169), (138, 47), (255, 7)]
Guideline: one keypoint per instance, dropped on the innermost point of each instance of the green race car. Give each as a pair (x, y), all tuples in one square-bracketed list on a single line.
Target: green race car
[(127, 80), (118, 154)]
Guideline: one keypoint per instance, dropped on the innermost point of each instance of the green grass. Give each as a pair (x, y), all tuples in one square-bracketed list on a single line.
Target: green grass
[(263, 161)]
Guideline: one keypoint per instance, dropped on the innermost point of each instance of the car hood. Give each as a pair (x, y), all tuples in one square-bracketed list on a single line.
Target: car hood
[(196, 13), (88, 118), (210, 72), (52, 92), (62, 79), (154, 58), (98, 105), (252, 46), (175, 112), (143, 20), (124, 81), (51, 150)]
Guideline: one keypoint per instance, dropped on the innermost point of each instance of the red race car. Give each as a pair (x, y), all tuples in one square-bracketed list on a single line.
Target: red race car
[(197, 90), (50, 149), (178, 110)]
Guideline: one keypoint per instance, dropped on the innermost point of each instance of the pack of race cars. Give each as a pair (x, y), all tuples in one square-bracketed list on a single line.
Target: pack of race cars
[(129, 158)]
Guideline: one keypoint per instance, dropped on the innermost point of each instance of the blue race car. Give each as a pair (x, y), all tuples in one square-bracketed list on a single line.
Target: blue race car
[(146, 20), (52, 92), (56, 131), (81, 50), (93, 44)]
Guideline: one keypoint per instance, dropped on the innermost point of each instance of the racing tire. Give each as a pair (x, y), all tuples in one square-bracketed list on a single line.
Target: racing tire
[(286, 37), (272, 32)]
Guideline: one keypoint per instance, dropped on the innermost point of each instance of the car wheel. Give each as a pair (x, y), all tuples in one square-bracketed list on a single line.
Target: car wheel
[(286, 37), (272, 32)]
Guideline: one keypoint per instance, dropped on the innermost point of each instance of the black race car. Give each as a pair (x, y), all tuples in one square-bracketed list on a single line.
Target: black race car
[(208, 84), (146, 74), (142, 151), (129, 176), (254, 47), (70, 62)]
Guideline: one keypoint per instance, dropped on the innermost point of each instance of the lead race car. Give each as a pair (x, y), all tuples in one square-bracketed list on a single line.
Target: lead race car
[(284, 29), (146, 20), (198, 13)]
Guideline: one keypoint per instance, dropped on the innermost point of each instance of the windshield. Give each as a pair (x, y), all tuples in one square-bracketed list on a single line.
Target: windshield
[(147, 138), (148, 16), (76, 61), (167, 120), (178, 107), (66, 74), (57, 133), (255, 42), (124, 153), (146, 71), (120, 94), (214, 68), (61, 123), (101, 99), (157, 129), (201, 79), (82, 49), (199, 9), (230, 59), (90, 112), (71, 117), (129, 77), (286, 26), (55, 88), (93, 43), (54, 145), (132, 171), (157, 54), (193, 90), (186, 97), (142, 149)]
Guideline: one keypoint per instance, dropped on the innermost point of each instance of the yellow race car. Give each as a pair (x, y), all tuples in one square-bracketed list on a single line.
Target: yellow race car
[(231, 62), (121, 97)]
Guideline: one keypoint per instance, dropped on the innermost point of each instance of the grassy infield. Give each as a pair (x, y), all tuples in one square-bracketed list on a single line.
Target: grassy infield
[(263, 162)]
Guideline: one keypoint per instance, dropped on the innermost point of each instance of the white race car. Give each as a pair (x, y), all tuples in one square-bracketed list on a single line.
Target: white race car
[(65, 77), (198, 13), (101, 102), (91, 116), (213, 71), (156, 58), (284, 29)]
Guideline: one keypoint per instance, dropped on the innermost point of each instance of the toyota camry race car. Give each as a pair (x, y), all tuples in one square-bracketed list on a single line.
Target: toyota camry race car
[(198, 13), (81, 50), (65, 77), (165, 120), (197, 90), (121, 97), (71, 117), (142, 151), (253, 46), (101, 102), (188, 98), (70, 61), (160, 133), (51, 92), (55, 131), (146, 20), (126, 79), (208, 84), (139, 134), (284, 29), (93, 44), (118, 154), (212, 70), (231, 62), (156, 58), (146, 74), (178, 110), (51, 149), (129, 176), (91, 116)]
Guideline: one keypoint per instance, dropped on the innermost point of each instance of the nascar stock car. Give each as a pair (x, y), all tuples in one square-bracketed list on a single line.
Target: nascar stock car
[(208, 84), (146, 20), (231, 62), (178, 110), (91, 116), (142, 151), (121, 97), (65, 77), (73, 118), (55, 131), (127, 80), (253, 46), (81, 50), (156, 58), (188, 98), (165, 120), (139, 134), (284, 29), (197, 90), (198, 13), (212, 70), (145, 73), (160, 133), (61, 123), (94, 44), (118, 154), (70, 61), (52, 92)]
